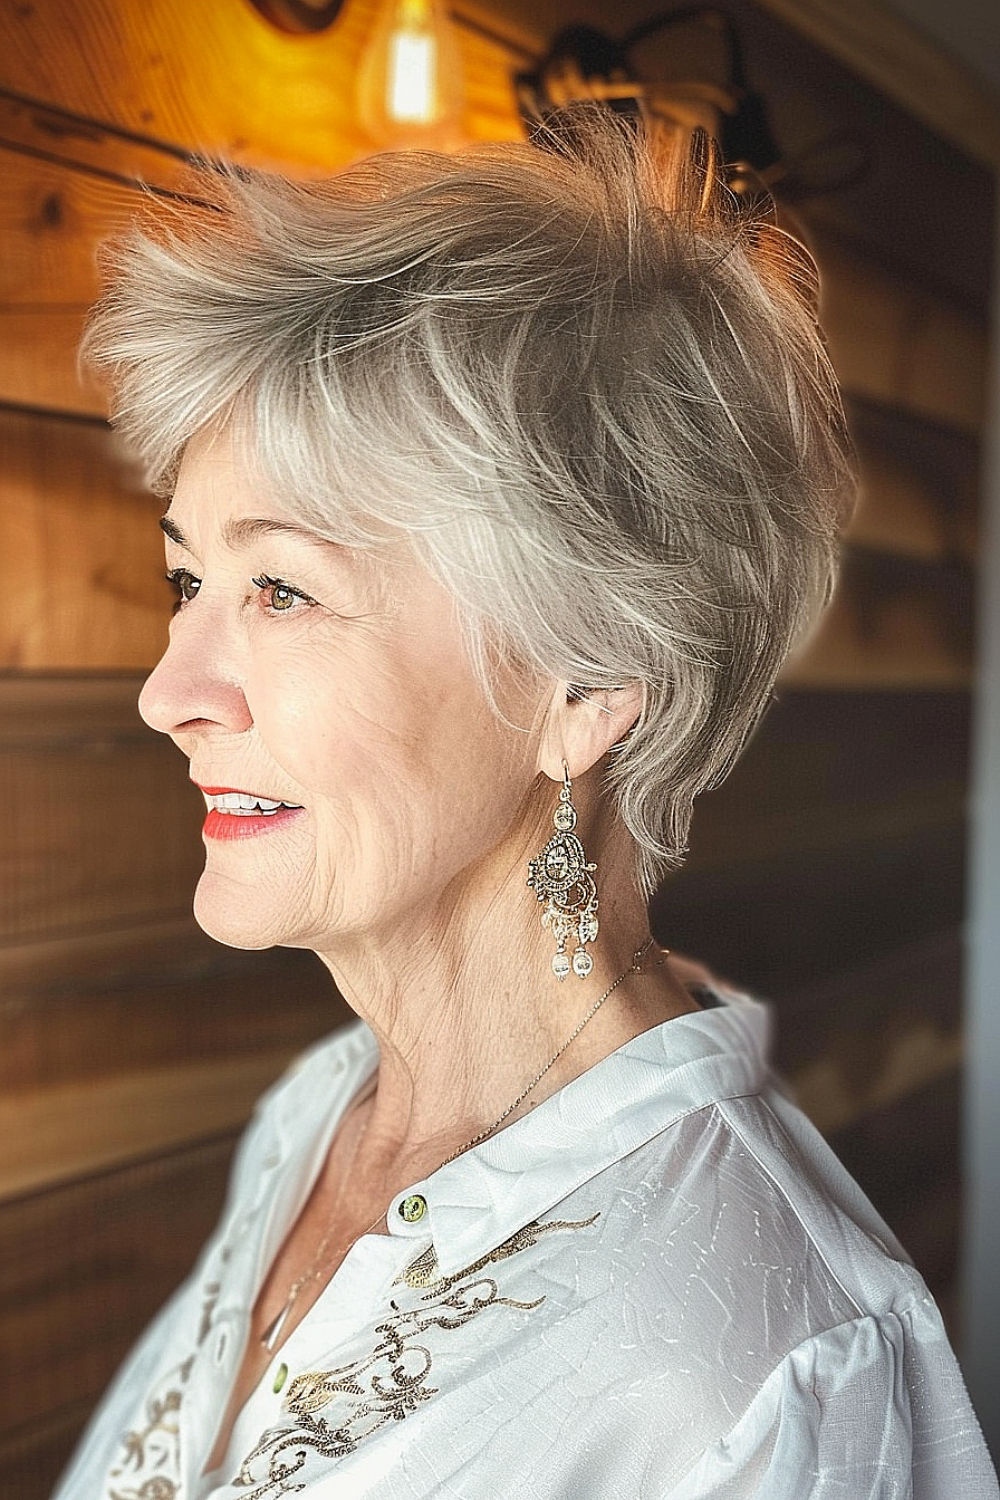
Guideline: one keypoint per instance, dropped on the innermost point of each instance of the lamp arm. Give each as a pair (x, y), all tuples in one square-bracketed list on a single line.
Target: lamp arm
[(710, 16)]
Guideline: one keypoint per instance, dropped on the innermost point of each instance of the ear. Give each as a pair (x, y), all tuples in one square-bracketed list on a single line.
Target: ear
[(583, 724)]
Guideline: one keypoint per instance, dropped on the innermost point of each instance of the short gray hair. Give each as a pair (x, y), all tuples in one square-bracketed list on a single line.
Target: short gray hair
[(588, 386)]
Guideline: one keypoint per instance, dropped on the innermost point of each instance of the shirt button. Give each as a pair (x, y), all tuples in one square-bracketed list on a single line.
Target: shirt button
[(413, 1208)]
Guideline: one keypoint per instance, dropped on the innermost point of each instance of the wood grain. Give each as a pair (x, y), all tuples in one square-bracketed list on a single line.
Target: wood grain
[(119, 1000), (38, 364), (103, 831), (83, 1268), (56, 1134), (287, 101), (903, 64), (53, 221), (41, 131), (899, 342), (919, 484), (89, 591)]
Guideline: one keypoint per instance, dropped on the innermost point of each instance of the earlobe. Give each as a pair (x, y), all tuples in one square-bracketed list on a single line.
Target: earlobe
[(584, 723)]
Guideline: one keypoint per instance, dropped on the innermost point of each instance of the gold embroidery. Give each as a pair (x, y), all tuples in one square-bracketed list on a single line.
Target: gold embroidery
[(421, 1272), (157, 1488), (392, 1381), (156, 1447)]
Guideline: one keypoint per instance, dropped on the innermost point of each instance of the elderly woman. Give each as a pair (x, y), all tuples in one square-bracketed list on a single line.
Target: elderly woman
[(500, 486)]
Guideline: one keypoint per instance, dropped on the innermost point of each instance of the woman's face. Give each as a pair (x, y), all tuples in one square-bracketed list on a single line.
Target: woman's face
[(335, 687)]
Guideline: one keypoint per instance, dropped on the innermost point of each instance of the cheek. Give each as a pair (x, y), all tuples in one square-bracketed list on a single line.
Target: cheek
[(339, 720), (393, 742)]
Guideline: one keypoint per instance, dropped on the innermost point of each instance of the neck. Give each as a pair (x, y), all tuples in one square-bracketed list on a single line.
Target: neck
[(465, 1007)]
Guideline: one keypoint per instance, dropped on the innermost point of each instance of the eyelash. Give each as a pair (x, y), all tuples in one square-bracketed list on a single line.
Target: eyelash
[(183, 579), (268, 585)]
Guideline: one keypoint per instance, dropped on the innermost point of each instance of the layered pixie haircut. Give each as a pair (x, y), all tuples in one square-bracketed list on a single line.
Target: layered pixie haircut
[(587, 386)]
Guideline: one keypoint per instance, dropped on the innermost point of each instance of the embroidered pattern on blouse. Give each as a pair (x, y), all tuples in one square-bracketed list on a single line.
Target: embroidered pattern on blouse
[(149, 1466), (392, 1381), (151, 1451)]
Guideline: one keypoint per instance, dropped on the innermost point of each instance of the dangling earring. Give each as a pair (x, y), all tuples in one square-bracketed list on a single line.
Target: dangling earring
[(561, 877)]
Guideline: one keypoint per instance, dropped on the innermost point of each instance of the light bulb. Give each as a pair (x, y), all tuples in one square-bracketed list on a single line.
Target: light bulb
[(410, 79)]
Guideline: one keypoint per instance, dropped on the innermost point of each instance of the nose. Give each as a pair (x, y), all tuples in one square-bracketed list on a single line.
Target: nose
[(196, 684)]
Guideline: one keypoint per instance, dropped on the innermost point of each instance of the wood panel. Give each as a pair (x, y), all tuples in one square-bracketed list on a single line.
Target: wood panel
[(286, 100), (67, 173), (89, 591), (896, 622), (838, 838), (879, 1054), (54, 219), (862, 1040), (53, 222), (898, 341), (38, 366), (118, 1000), (906, 1157), (124, 1031), (919, 484), (33, 1456), (84, 1266), (903, 613), (882, 47), (63, 1133), (41, 710), (43, 131), (123, 797)]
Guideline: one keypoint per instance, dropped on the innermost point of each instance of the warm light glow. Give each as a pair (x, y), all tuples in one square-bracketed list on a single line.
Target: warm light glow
[(410, 82)]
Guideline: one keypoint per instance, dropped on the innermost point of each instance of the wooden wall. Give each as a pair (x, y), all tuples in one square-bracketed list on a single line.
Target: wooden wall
[(827, 873)]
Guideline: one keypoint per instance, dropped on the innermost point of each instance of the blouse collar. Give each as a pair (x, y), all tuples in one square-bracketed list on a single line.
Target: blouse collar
[(691, 1062)]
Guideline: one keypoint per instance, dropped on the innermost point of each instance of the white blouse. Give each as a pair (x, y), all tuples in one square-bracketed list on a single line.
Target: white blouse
[(660, 1283)]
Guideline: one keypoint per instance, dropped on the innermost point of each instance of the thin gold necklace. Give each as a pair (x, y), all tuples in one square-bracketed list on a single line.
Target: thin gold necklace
[(272, 1333)]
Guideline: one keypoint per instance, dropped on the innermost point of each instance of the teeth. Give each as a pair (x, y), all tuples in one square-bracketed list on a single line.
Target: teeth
[(245, 804)]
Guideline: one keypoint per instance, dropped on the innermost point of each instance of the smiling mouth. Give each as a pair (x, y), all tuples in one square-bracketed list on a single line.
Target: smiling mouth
[(244, 804)]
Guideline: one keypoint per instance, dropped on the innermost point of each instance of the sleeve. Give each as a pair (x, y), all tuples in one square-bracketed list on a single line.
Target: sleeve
[(116, 1409), (137, 1376), (874, 1409)]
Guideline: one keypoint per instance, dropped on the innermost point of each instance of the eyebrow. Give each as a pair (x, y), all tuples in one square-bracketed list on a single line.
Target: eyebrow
[(244, 530)]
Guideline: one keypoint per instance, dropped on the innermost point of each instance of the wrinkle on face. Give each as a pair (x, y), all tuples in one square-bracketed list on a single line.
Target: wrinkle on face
[(364, 708)]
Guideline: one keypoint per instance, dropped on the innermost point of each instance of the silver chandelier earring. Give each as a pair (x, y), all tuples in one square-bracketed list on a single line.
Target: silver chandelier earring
[(562, 878)]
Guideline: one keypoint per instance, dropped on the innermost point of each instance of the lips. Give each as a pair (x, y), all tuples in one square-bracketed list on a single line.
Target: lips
[(238, 814)]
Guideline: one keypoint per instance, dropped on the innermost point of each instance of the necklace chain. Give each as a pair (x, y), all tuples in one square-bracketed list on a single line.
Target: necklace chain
[(272, 1333), (633, 968)]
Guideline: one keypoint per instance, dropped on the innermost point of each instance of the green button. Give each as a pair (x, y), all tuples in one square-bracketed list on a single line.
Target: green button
[(412, 1209), (280, 1378)]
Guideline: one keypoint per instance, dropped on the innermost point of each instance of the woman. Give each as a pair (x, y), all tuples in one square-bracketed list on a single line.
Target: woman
[(501, 485)]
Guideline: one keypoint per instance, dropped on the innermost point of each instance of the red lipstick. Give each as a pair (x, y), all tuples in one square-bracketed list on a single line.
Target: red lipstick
[(225, 826)]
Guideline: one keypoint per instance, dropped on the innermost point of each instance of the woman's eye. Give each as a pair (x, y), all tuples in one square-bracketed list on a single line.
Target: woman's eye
[(185, 583), (279, 596)]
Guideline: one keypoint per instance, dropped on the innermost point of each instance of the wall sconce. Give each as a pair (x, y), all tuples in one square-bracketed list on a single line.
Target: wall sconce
[(409, 85), (585, 63), (410, 90)]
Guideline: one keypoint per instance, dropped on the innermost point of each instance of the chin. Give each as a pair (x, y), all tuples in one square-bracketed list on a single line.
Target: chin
[(237, 916)]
